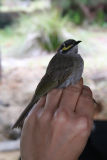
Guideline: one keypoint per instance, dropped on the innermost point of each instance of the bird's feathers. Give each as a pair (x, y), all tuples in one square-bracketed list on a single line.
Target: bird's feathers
[(46, 84), (58, 70)]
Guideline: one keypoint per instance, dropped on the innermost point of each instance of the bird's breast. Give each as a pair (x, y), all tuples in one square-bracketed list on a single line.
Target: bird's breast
[(76, 74)]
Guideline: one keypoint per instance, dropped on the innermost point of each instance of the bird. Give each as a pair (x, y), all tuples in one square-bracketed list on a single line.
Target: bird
[(65, 68)]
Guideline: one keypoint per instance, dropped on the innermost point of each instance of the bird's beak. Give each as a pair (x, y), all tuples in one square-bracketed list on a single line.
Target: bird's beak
[(77, 42)]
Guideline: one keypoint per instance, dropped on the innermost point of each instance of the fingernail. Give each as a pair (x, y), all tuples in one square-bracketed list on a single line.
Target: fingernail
[(86, 87), (87, 91), (81, 81)]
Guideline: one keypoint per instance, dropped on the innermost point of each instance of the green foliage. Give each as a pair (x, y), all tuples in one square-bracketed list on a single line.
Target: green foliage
[(77, 14), (89, 2), (75, 17), (63, 4), (46, 27), (50, 30), (100, 17)]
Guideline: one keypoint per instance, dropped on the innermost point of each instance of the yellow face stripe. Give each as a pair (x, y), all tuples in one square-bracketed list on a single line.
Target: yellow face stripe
[(66, 48)]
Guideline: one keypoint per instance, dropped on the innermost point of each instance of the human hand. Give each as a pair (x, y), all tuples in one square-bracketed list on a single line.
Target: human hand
[(59, 125)]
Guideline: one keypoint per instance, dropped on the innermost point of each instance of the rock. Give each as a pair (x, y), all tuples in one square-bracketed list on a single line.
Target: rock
[(3, 104), (7, 18), (11, 134), (9, 146)]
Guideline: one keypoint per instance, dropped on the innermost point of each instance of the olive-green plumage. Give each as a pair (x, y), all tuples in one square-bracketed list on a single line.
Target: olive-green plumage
[(64, 68)]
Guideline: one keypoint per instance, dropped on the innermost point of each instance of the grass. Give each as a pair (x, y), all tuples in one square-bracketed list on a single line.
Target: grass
[(51, 30), (14, 36), (9, 39), (48, 26)]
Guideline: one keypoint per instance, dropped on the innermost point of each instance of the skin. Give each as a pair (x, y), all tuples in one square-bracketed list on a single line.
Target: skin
[(59, 125)]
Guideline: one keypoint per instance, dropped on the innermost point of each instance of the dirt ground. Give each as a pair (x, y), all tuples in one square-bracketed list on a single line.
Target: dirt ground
[(9, 155)]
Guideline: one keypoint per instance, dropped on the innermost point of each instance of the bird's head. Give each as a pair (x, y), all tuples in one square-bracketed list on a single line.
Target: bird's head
[(69, 46)]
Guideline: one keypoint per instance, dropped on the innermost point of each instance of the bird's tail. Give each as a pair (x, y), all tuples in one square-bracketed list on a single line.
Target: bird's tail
[(20, 121)]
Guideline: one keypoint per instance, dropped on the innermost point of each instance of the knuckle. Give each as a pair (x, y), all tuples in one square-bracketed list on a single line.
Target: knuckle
[(45, 117), (62, 117), (61, 121), (84, 124), (33, 115)]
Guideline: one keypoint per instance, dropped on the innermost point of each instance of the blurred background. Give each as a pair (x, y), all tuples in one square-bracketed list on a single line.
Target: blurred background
[(30, 33)]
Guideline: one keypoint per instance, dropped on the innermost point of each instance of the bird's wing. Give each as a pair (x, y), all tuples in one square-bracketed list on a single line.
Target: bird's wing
[(46, 84), (58, 70)]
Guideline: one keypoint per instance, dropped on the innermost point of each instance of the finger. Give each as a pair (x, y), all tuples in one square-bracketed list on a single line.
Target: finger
[(40, 104), (70, 97), (85, 105), (52, 100)]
